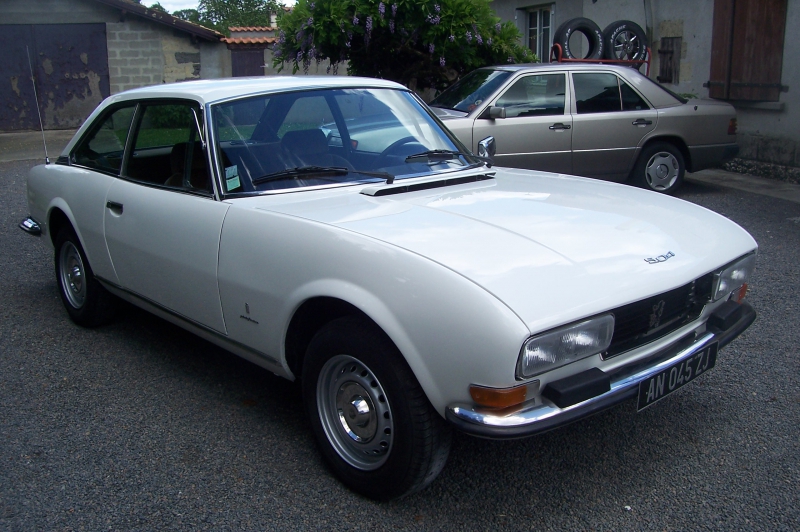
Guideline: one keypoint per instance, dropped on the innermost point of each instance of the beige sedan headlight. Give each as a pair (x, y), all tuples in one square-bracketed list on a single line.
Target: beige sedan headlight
[(562, 346)]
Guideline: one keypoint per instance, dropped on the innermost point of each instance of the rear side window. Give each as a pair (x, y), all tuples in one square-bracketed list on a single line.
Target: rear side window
[(102, 149), (631, 101), (596, 93)]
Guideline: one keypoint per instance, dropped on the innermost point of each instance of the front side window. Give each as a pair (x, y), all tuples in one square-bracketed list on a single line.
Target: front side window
[(167, 148), (471, 90), (596, 93), (535, 96), (103, 148), (329, 137)]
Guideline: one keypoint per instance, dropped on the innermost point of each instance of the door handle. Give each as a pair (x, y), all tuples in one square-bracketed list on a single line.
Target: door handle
[(114, 206), (559, 125), (642, 122)]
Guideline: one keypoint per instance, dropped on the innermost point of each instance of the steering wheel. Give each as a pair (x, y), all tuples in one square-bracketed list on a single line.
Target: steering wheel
[(392, 148)]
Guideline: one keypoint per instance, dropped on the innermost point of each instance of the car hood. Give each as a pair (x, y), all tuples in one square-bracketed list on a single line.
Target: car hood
[(553, 248)]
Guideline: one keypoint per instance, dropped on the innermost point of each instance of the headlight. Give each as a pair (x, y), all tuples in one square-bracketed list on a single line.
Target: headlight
[(567, 344), (733, 277)]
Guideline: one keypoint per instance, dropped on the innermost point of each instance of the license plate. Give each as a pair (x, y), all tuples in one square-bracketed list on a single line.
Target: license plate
[(676, 376)]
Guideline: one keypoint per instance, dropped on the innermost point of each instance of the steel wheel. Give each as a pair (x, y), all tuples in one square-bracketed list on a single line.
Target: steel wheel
[(354, 412), (73, 275), (662, 171)]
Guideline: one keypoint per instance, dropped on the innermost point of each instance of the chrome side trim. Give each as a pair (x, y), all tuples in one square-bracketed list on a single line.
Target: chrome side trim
[(211, 335), (528, 416)]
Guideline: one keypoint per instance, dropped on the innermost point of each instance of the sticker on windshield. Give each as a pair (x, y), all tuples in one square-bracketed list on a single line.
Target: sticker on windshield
[(232, 177)]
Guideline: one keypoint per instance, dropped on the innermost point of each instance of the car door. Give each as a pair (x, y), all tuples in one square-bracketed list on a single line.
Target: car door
[(609, 121), (537, 131), (162, 222)]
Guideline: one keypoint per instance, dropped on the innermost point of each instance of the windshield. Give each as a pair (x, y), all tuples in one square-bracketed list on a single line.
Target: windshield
[(326, 137), (470, 91)]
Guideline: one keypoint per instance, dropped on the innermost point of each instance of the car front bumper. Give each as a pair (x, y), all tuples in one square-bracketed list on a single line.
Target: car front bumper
[(519, 422)]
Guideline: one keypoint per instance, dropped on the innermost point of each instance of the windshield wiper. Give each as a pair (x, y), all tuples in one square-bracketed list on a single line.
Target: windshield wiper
[(300, 171), (435, 155)]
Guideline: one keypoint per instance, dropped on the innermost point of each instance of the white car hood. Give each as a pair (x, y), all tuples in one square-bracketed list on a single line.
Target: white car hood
[(553, 248)]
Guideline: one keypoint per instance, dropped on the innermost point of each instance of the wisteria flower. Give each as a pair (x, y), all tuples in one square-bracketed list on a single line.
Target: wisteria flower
[(489, 41), (299, 56), (381, 9), (394, 10), (369, 25), (437, 7), (452, 38), (510, 59), (355, 20), (497, 27), (310, 21), (479, 38), (441, 61), (391, 25), (431, 47), (469, 36)]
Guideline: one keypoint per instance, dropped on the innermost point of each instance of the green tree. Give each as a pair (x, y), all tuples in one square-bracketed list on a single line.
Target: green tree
[(419, 43), (223, 14)]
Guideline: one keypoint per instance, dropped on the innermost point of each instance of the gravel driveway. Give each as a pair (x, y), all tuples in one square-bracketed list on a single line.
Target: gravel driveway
[(141, 426)]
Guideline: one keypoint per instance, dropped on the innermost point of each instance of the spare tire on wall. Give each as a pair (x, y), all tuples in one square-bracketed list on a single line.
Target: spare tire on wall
[(589, 29), (626, 40)]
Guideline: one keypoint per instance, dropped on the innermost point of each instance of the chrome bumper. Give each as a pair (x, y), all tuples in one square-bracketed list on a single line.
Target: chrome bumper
[(530, 420), (31, 226)]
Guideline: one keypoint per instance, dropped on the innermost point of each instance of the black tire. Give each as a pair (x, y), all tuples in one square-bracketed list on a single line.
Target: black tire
[(660, 167), (625, 40), (373, 423), (87, 302), (589, 29)]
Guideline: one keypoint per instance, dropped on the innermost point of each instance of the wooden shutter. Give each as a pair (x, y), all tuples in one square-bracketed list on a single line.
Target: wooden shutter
[(247, 62), (747, 49)]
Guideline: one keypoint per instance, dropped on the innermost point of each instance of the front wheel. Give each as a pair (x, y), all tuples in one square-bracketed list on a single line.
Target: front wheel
[(87, 302), (372, 421), (660, 167)]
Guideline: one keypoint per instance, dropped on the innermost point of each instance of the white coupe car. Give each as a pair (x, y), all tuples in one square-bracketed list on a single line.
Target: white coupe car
[(333, 231)]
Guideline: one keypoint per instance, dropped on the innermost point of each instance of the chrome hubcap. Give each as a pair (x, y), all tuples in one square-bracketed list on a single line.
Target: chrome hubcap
[(355, 412), (72, 275), (662, 171)]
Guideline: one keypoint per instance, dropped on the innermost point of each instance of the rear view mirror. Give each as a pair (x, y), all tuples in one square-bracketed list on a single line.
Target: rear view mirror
[(493, 112), (487, 148)]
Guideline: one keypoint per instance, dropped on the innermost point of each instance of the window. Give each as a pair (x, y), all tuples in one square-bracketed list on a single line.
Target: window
[(167, 148), (747, 50), (104, 146), (596, 93), (631, 101), (535, 96), (540, 40)]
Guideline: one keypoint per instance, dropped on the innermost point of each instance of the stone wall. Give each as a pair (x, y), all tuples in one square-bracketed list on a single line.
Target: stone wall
[(141, 54)]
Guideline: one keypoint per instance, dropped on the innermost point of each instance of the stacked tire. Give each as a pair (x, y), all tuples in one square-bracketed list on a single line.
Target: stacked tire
[(620, 40)]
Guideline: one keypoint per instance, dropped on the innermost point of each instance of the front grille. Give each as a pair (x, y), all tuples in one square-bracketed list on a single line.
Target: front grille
[(642, 322)]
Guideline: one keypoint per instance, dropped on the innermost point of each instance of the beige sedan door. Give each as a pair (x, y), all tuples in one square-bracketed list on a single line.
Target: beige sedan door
[(609, 121), (537, 131)]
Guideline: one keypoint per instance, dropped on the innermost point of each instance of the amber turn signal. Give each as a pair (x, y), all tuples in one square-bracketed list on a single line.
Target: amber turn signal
[(739, 294), (732, 127), (498, 397)]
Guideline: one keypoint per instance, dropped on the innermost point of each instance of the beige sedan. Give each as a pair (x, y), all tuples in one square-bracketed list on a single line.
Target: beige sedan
[(593, 120)]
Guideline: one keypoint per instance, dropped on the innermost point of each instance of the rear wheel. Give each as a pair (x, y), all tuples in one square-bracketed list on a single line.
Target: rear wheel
[(87, 302), (373, 424), (660, 167)]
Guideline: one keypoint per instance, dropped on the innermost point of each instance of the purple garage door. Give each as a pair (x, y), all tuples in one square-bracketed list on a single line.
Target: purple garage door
[(70, 66)]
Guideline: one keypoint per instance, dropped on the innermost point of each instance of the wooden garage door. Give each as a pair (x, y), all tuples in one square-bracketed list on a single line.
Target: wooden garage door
[(70, 67), (247, 62)]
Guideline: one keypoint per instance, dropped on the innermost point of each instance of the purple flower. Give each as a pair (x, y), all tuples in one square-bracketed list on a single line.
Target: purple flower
[(497, 27), (430, 48), (312, 52), (311, 6), (452, 38), (479, 38), (434, 20), (489, 41), (469, 36), (369, 25), (355, 20), (299, 56), (510, 59), (391, 26), (441, 61), (381, 9), (310, 21), (394, 10), (437, 7)]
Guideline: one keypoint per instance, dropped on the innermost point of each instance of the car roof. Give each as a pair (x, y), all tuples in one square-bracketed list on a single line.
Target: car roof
[(214, 90)]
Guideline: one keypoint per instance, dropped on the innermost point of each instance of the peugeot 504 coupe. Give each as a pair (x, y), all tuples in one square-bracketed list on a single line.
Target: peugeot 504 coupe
[(331, 230)]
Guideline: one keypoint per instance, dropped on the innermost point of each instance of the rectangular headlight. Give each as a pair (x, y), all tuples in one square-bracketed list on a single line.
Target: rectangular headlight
[(733, 277), (564, 345)]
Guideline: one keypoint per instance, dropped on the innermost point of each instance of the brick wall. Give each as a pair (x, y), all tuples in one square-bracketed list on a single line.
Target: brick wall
[(141, 54)]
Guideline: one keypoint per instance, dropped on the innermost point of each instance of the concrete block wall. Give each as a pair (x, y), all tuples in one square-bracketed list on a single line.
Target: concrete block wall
[(142, 54)]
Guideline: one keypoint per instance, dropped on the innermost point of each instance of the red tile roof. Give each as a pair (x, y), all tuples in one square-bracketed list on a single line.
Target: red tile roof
[(252, 28), (249, 40)]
